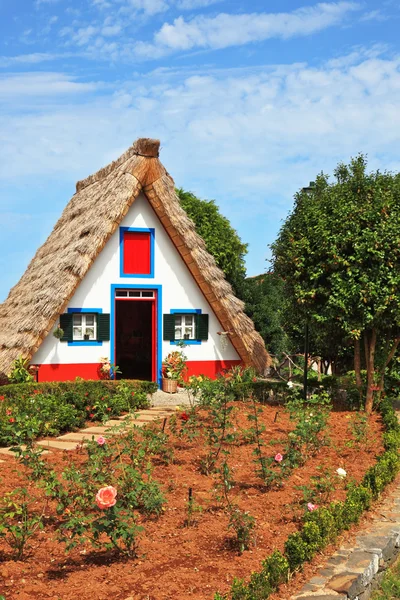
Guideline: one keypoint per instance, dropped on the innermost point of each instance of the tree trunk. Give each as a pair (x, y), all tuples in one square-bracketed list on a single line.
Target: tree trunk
[(387, 359), (357, 367), (370, 354)]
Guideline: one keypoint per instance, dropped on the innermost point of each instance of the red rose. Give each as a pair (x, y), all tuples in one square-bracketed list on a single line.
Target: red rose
[(12, 420), (91, 415), (184, 416), (2, 398)]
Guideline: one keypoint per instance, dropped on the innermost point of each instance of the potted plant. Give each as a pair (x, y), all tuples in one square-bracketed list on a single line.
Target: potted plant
[(173, 369)]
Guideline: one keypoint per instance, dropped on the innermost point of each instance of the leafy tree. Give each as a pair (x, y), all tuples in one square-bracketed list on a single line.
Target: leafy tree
[(222, 241), (339, 253), (265, 303)]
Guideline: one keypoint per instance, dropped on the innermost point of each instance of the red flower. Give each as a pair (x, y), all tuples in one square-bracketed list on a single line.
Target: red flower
[(2, 398), (184, 416), (91, 415), (36, 391), (86, 393), (88, 408), (108, 408), (8, 412), (254, 379), (12, 420)]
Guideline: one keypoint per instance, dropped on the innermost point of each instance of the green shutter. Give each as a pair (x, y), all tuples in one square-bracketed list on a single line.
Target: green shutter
[(169, 328), (202, 327), (66, 326), (103, 327)]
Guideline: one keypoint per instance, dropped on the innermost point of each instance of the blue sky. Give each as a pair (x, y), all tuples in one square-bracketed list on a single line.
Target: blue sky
[(250, 101)]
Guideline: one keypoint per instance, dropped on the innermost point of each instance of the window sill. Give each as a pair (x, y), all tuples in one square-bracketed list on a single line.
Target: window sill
[(186, 342), (85, 343)]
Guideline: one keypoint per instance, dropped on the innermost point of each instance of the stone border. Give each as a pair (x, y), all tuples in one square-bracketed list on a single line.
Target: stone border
[(355, 571)]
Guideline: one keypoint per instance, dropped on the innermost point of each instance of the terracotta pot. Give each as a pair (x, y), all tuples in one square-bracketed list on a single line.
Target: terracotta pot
[(169, 385)]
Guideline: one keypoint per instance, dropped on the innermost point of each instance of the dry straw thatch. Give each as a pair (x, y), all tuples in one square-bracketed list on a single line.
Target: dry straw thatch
[(87, 223)]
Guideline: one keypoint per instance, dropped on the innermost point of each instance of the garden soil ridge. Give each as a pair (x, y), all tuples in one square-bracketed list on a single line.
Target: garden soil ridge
[(184, 562)]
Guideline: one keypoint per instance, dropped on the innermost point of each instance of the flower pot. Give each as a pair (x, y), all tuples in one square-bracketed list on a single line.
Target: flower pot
[(169, 385)]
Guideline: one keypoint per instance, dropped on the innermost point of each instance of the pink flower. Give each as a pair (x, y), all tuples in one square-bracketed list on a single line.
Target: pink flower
[(106, 497), (278, 457), (8, 412), (101, 440), (311, 506)]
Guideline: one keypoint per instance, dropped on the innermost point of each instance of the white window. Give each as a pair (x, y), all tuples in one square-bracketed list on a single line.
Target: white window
[(184, 327), (84, 326)]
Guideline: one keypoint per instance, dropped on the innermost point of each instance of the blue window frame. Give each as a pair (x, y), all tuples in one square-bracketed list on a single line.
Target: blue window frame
[(87, 311), (122, 231), (183, 312)]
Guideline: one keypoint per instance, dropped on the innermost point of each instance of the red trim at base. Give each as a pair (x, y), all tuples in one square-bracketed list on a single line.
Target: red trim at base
[(209, 368), (68, 372)]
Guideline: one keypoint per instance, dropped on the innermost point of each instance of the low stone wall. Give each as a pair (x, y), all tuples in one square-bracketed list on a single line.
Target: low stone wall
[(354, 571)]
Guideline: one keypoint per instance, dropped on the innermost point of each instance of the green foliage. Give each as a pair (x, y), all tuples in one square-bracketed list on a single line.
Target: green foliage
[(19, 371), (122, 464), (390, 585), (265, 303), (339, 256), (32, 410), (222, 241), (18, 522)]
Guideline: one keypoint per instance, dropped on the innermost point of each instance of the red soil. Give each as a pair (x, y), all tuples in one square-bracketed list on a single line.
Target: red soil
[(177, 562)]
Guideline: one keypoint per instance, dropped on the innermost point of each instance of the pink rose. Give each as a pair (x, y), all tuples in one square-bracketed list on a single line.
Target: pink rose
[(311, 506), (101, 440), (278, 457), (106, 497)]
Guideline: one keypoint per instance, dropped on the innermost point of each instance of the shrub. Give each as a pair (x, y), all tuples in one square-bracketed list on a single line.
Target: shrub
[(32, 410)]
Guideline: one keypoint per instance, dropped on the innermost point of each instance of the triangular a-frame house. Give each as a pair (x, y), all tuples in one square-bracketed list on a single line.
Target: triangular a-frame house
[(126, 276)]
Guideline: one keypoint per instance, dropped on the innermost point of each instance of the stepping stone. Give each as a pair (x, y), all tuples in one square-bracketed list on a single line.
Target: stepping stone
[(8, 452), (95, 430), (78, 436), (57, 444), (113, 423)]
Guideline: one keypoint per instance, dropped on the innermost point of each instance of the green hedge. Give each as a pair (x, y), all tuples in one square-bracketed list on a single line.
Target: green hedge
[(93, 387), (32, 410), (322, 526)]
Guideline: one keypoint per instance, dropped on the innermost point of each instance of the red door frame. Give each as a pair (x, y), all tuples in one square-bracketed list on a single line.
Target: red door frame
[(153, 326)]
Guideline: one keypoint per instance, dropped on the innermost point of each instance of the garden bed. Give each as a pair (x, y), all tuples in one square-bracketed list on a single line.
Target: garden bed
[(175, 560)]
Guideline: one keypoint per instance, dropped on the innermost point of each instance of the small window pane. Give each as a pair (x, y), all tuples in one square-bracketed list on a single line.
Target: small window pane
[(77, 319), (89, 319), (89, 332), (77, 335), (178, 320), (178, 333), (147, 294), (134, 294), (189, 320), (121, 294), (188, 333)]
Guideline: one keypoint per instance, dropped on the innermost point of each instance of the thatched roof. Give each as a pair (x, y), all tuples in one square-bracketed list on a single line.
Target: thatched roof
[(87, 223)]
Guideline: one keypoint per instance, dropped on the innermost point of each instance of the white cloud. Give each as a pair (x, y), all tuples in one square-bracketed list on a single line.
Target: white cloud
[(19, 88), (191, 4), (28, 59), (374, 15), (226, 30), (39, 3), (248, 137)]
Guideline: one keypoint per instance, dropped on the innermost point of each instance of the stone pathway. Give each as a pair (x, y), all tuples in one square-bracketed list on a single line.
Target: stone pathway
[(68, 441)]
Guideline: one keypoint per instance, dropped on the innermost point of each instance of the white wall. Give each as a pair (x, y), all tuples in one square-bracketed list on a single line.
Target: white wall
[(179, 290)]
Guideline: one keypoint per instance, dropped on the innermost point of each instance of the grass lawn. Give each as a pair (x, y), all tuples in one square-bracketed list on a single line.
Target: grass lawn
[(390, 586)]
